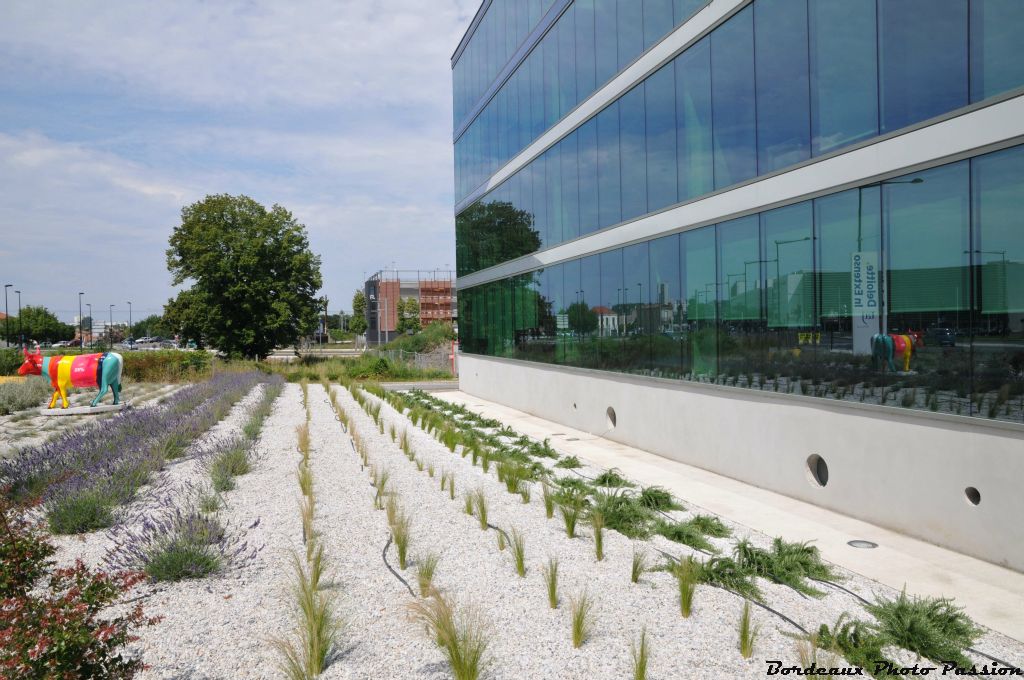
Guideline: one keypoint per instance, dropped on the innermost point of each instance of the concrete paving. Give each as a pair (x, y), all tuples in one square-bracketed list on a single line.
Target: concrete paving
[(992, 595)]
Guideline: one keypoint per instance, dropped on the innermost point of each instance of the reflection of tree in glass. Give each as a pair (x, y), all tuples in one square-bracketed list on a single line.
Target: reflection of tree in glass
[(490, 233), (582, 319)]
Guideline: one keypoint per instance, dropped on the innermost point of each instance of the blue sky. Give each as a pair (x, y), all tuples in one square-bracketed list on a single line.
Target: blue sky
[(114, 115)]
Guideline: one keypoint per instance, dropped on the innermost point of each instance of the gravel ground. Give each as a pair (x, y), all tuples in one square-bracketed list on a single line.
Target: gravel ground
[(222, 627)]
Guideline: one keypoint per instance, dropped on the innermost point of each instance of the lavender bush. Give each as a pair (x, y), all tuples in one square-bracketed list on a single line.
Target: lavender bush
[(230, 457), (83, 475), (176, 541)]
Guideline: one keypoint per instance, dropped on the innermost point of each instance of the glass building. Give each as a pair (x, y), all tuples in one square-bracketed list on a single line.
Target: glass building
[(780, 240), (597, 143)]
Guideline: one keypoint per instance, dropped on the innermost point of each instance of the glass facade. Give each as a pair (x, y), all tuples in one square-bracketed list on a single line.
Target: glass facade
[(780, 82), (591, 42), (907, 292)]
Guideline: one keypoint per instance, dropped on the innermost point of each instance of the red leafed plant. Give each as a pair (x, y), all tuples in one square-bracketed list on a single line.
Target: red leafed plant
[(50, 624)]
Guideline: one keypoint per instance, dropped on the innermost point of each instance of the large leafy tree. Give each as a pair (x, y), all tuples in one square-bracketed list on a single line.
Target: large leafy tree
[(153, 324), (39, 324), (358, 324), (412, 315), (253, 276), (400, 315)]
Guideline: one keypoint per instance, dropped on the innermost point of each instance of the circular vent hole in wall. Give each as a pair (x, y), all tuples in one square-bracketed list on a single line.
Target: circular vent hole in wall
[(610, 413), (817, 470), (973, 495)]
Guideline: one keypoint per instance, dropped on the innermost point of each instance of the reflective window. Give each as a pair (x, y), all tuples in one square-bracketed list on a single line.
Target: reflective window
[(589, 213), (662, 311), (633, 153), (660, 149), (783, 111), (570, 187), (606, 58), (631, 31), (732, 100), (609, 186), (657, 20), (996, 64), (693, 121), (843, 73), (922, 59), (805, 299)]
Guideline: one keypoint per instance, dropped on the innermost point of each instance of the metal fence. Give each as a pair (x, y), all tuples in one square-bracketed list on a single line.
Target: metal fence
[(437, 360)]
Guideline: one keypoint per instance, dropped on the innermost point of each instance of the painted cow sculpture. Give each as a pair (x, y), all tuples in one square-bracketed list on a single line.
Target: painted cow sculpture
[(84, 370), (884, 347)]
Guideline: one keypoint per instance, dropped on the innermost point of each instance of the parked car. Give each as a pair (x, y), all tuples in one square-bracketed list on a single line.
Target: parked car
[(941, 336)]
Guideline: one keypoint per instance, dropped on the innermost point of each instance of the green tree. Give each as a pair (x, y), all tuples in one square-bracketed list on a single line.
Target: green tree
[(400, 324), (150, 326), (582, 319), (358, 324), (489, 233), (39, 324), (254, 278), (412, 315)]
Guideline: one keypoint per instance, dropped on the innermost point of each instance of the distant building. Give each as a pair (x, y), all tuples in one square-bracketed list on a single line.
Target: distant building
[(434, 290)]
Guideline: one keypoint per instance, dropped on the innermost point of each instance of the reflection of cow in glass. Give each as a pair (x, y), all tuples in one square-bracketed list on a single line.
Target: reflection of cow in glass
[(84, 370), (884, 347)]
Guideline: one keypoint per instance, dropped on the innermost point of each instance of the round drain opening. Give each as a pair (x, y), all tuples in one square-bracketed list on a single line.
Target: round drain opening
[(817, 470), (973, 495), (862, 544), (610, 413)]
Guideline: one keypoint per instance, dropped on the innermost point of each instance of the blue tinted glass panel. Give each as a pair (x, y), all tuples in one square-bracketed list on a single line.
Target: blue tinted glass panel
[(732, 99), (570, 316), (844, 73), (537, 171), (996, 63), (610, 310), (552, 113), (587, 138), (536, 66), (684, 9), (923, 62), (633, 152), (783, 120), (699, 284), (636, 331), (657, 20), (566, 28), (570, 188), (631, 31), (608, 178), (553, 180), (584, 321), (606, 37), (586, 75), (662, 175), (789, 270), (661, 311), (693, 120)]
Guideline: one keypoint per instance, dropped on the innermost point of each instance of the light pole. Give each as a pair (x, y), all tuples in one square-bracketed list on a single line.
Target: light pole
[(778, 273), (21, 335), (7, 317), (129, 333), (110, 328), (81, 334), (883, 289)]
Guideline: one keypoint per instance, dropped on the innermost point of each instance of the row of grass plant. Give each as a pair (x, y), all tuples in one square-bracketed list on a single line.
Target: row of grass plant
[(232, 457), (84, 475), (931, 627), (312, 644)]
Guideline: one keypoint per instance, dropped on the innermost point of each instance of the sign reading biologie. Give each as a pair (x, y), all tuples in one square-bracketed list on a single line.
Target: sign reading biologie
[(865, 299)]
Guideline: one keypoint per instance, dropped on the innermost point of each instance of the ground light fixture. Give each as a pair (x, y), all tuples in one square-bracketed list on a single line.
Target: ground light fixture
[(861, 543)]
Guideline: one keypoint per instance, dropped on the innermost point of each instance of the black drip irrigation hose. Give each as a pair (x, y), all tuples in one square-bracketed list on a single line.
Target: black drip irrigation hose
[(760, 604), (384, 556)]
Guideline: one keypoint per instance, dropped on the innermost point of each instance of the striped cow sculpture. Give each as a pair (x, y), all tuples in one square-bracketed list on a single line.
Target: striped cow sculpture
[(84, 370)]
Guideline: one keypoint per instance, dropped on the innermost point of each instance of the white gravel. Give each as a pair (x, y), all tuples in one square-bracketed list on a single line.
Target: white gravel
[(221, 627)]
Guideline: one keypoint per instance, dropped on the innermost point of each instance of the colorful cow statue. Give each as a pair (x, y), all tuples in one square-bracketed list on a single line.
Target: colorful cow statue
[(885, 347), (84, 370)]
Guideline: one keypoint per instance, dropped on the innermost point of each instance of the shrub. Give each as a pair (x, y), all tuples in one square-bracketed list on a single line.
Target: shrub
[(710, 526), (931, 627), (790, 564), (551, 581), (568, 463), (165, 366), (597, 524), (684, 532), (612, 478), (640, 565), (425, 568), (518, 541), (641, 652), (657, 498), (307, 654), (687, 572), (748, 632), (22, 394), (52, 626), (623, 513)]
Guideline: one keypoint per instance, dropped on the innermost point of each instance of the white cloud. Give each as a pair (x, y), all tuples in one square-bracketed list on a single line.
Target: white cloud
[(340, 111)]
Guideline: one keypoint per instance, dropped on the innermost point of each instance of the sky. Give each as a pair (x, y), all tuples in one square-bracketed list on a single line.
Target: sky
[(114, 115)]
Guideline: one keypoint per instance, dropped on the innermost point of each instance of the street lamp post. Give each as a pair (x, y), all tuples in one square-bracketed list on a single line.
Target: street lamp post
[(21, 335), (778, 273), (81, 334), (110, 327), (7, 317)]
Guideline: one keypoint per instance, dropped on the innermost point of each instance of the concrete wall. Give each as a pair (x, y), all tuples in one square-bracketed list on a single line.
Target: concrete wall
[(899, 469)]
